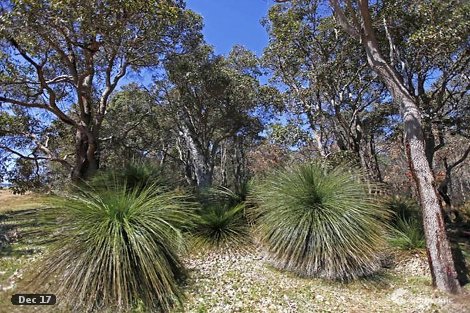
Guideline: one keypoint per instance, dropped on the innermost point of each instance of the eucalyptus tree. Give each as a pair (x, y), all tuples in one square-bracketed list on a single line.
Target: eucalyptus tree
[(325, 80), (361, 27), (364, 24), (134, 128), (211, 99), (434, 63), (64, 59)]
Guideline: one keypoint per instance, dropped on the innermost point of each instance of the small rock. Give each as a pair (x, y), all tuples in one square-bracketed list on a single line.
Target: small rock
[(319, 298), (398, 296)]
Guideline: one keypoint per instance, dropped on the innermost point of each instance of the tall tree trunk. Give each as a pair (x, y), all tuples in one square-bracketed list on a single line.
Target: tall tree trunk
[(440, 259), (200, 159), (375, 168), (239, 165), (223, 164), (86, 156)]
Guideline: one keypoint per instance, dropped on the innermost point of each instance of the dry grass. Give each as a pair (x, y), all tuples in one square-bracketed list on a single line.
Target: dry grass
[(11, 202)]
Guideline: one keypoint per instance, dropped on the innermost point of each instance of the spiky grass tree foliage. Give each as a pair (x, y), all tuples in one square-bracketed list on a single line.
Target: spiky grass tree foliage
[(406, 230), (135, 175), (221, 227), (119, 248), (407, 234), (320, 222), (402, 208)]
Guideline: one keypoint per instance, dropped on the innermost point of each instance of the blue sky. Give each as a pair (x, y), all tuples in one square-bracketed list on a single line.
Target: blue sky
[(226, 23), (230, 22)]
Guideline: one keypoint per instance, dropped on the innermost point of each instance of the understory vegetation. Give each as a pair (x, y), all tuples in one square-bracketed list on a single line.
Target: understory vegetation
[(406, 229), (118, 247), (321, 222), (143, 169), (123, 249)]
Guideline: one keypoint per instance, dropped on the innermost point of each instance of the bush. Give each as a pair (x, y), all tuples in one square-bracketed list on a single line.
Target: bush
[(402, 208), (133, 175), (321, 222), (224, 195), (221, 227), (406, 229), (407, 234), (119, 248)]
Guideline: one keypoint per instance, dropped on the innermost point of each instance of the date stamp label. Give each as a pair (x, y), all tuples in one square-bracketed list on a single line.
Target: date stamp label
[(33, 299)]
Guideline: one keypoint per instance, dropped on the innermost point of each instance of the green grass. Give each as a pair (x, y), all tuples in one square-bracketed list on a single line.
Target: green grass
[(402, 208), (321, 222)]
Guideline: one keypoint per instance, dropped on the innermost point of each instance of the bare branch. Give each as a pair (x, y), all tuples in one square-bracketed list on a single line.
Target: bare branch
[(462, 158), (343, 21), (36, 158)]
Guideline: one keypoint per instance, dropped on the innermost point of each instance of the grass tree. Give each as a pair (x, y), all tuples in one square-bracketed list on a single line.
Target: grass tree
[(221, 228), (119, 248), (320, 222)]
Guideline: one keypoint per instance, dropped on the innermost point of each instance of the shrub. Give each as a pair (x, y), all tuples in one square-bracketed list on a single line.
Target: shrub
[(119, 248), (407, 234), (133, 175), (402, 208), (318, 221), (224, 195), (221, 227), (406, 231)]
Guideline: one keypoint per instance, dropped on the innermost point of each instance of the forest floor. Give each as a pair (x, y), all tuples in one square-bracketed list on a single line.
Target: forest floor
[(236, 281)]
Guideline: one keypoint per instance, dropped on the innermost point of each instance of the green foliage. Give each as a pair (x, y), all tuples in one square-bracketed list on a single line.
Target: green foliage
[(26, 176), (46, 47), (406, 229), (133, 126), (226, 196), (221, 227), (407, 234), (403, 209), (318, 221), (135, 175), (118, 248), (221, 222)]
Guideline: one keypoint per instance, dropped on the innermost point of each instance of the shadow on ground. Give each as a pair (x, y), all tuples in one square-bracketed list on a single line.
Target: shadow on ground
[(26, 232)]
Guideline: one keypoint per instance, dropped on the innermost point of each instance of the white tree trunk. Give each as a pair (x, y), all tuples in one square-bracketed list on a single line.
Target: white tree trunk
[(202, 163), (439, 252)]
